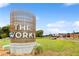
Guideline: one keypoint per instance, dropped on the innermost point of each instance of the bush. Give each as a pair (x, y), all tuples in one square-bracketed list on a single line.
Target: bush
[(38, 49), (39, 33), (3, 35), (0, 37)]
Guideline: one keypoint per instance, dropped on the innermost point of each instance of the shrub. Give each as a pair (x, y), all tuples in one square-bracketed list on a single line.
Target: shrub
[(4, 35), (0, 37), (38, 49), (39, 33)]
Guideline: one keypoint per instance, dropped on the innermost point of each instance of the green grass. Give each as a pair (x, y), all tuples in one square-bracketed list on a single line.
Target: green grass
[(65, 47), (4, 42), (57, 45)]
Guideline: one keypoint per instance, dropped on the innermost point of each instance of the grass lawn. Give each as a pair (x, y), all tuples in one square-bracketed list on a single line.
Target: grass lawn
[(56, 47), (4, 42), (63, 47)]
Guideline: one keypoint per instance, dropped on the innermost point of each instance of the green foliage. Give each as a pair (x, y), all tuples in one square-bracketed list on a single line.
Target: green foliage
[(61, 47), (4, 35), (0, 32), (4, 31), (5, 41), (67, 47), (39, 33), (38, 49), (50, 34)]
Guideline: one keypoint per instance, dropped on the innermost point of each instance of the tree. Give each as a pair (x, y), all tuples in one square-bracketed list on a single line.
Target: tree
[(5, 29), (39, 33), (0, 32), (50, 35)]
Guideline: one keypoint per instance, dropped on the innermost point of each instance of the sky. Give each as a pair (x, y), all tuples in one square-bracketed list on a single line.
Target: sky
[(50, 17)]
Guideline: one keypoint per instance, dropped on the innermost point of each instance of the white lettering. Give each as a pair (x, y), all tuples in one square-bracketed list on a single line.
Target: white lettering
[(30, 35), (18, 35), (25, 35), (22, 27), (16, 26)]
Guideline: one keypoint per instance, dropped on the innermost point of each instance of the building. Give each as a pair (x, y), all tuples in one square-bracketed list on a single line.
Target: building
[(69, 35)]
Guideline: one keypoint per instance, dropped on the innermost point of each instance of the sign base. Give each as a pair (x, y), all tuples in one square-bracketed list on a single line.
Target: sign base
[(22, 48)]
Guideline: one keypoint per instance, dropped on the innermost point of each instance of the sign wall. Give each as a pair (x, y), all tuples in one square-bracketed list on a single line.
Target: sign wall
[(22, 32)]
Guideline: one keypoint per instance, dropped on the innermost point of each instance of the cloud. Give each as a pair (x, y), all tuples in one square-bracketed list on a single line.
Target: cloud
[(69, 4), (76, 25), (3, 4), (60, 27), (56, 30), (58, 24), (57, 27), (39, 28), (63, 26)]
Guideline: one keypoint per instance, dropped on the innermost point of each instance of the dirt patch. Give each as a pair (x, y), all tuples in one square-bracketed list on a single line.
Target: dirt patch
[(4, 52)]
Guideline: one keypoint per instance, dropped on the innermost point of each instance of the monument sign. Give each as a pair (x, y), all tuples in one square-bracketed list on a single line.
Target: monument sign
[(22, 31)]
